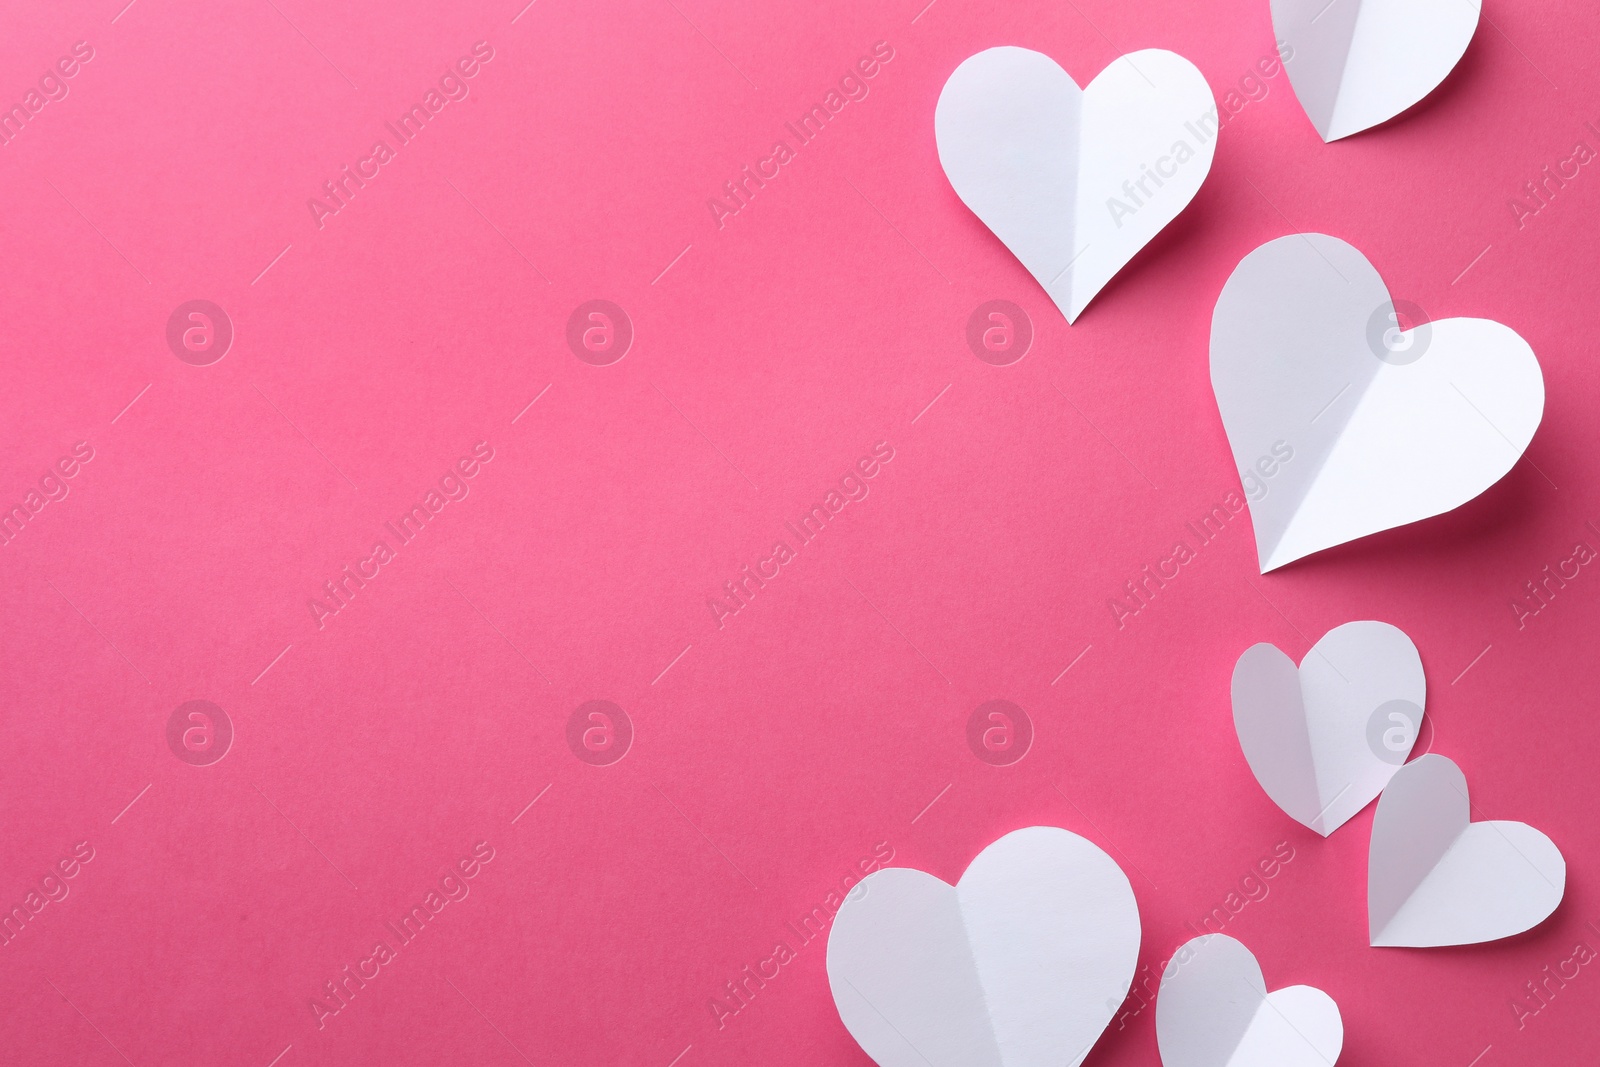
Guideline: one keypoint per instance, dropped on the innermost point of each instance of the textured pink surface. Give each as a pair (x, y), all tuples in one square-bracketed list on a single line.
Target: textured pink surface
[(775, 753)]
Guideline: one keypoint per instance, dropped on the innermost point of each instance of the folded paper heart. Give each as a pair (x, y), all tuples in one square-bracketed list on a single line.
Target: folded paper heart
[(1022, 962), (1324, 739), (1341, 423), (1436, 878), (1356, 63), (1214, 1011), (1075, 181)]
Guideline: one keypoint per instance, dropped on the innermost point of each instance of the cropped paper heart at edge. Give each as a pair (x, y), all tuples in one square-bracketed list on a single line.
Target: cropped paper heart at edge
[(1213, 1010), (1023, 961)]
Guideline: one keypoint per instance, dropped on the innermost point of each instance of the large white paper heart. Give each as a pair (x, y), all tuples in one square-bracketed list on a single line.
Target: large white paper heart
[(1323, 739), (1075, 181), (1342, 424), (1022, 963), (1356, 63), (1214, 1011), (1436, 878)]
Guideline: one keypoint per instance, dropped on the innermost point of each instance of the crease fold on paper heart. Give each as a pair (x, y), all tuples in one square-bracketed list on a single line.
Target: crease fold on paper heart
[(1022, 963), (1436, 878), (1324, 738), (1075, 181), (1213, 1010), (1335, 434), (1357, 63)]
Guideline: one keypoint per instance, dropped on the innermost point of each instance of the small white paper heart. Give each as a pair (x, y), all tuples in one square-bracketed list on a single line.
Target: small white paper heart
[(1075, 181), (1022, 963), (1214, 1010), (1436, 878), (1323, 739), (1356, 63), (1342, 424)]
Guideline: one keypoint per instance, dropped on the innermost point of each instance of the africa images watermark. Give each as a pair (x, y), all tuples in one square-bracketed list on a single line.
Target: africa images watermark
[(737, 194), (1252, 86), (452, 88), (453, 486), (50, 88), (742, 588)]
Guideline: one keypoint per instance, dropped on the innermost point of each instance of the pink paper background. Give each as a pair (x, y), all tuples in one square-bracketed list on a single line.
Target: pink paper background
[(775, 752)]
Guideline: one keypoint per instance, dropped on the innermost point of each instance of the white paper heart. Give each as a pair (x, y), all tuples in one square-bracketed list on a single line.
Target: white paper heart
[(1324, 739), (1075, 181), (1356, 63), (1214, 1011), (1022, 963), (1343, 425), (1436, 878)]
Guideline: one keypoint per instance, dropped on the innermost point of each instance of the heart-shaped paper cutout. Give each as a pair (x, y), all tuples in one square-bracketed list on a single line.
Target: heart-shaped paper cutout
[(1342, 424), (1075, 181), (1022, 963), (1436, 878), (1356, 63), (1214, 1011), (1324, 739)]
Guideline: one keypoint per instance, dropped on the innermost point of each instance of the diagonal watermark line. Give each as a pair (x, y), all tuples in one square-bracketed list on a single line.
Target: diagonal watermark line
[(274, 263), (1519, 52), (673, 664), (304, 838), (273, 664), (280, 1055), (1104, 438), (304, 438), (96, 229), (1480, 1056), (92, 1026), (497, 230), (896, 229), (132, 402), (1071, 665), (531, 803), (714, 48), (890, 1024), (932, 402), (897, 630), (523, 12), (1330, 403), (497, 630), (931, 803), (314, 48), (680, 1056), (492, 1026), (530, 404), (1473, 664), (97, 630), (706, 439), (923, 12), (1324, 10), (674, 263), (1474, 263), (1070, 262), (703, 836), (130, 804), (124, 11), (1503, 437)]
